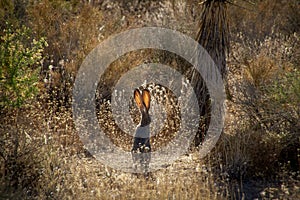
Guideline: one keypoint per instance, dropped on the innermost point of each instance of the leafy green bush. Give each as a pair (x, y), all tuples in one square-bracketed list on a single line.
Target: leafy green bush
[(20, 61)]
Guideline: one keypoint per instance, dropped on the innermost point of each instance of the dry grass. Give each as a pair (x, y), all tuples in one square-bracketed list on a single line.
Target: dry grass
[(256, 156), (57, 167), (89, 179)]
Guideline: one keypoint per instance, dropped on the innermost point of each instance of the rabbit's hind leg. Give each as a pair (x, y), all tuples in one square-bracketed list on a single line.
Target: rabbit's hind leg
[(135, 154), (146, 157)]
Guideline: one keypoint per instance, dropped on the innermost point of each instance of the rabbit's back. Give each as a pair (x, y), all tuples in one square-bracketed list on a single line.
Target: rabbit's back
[(141, 141), (142, 132)]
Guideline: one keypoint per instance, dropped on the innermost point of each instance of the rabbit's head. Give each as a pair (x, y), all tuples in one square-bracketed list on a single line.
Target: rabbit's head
[(143, 103)]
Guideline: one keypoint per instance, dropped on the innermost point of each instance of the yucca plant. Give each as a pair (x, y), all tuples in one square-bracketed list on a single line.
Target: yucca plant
[(213, 36)]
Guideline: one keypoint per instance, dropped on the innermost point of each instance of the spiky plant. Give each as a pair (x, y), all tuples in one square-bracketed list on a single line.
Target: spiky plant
[(213, 36), (213, 31)]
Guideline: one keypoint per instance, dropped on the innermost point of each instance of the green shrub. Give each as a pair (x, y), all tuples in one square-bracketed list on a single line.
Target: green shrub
[(20, 61)]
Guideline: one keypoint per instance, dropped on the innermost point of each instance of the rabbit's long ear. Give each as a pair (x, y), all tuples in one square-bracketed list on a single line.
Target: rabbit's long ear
[(146, 98), (138, 98)]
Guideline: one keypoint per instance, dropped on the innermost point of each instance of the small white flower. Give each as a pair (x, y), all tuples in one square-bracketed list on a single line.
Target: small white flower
[(61, 62), (101, 28)]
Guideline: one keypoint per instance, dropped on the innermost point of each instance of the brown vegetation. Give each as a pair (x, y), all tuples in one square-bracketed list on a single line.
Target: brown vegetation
[(257, 156)]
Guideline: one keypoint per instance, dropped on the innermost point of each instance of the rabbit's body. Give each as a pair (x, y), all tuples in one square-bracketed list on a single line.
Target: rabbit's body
[(141, 149), (142, 131), (141, 153), (141, 141)]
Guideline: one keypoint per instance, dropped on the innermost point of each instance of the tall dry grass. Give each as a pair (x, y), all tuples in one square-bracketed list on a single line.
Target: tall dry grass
[(256, 157)]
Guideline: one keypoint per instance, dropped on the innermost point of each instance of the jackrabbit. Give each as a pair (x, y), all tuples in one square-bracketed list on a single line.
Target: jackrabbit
[(141, 143)]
